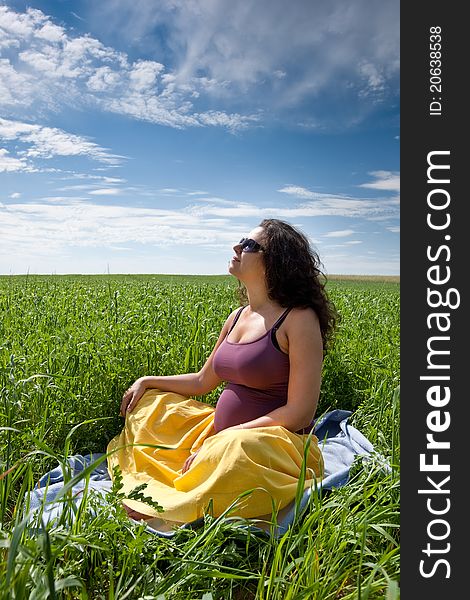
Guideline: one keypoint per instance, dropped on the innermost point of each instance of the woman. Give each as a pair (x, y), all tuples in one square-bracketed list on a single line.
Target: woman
[(270, 353)]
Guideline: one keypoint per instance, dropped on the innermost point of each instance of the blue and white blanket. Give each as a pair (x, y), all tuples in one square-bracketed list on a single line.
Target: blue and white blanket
[(340, 443)]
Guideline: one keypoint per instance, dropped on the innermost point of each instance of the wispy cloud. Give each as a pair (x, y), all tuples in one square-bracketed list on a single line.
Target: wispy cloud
[(300, 192), (102, 179), (105, 192), (169, 191), (340, 233), (63, 199), (187, 64), (197, 193), (46, 67), (56, 225), (384, 180), (263, 52), (218, 201), (96, 224), (11, 163), (63, 222), (48, 142), (220, 54), (320, 204)]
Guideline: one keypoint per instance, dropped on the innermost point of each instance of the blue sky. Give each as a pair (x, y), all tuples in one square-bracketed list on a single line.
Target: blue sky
[(148, 136)]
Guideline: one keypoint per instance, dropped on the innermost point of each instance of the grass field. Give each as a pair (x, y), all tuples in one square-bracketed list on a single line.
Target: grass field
[(70, 346)]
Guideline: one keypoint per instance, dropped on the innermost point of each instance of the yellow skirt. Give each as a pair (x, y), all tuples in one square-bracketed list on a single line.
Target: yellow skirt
[(267, 460)]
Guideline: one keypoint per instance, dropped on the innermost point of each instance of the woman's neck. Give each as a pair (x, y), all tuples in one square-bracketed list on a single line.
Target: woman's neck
[(258, 298)]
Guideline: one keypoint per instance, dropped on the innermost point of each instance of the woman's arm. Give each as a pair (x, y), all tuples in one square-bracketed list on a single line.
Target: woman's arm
[(189, 384), (305, 364)]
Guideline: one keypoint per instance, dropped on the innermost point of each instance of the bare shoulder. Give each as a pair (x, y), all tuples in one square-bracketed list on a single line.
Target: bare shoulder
[(233, 314), (301, 331), (302, 319), (230, 319)]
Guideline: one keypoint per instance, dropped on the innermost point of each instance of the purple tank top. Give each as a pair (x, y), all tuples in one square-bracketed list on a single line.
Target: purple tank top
[(257, 376)]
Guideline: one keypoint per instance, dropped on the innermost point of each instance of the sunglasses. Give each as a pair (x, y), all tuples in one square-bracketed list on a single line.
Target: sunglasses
[(249, 245)]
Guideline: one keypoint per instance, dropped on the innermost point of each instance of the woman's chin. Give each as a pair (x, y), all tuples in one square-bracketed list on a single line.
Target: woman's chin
[(233, 272), (232, 265)]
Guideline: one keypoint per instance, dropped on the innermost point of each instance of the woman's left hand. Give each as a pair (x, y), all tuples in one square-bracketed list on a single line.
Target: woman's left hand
[(188, 462)]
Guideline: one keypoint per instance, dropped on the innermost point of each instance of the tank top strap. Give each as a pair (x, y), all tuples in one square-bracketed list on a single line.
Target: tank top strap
[(279, 322), (237, 316)]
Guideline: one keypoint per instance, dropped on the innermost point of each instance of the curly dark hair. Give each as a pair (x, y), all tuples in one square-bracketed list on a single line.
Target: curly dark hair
[(293, 275)]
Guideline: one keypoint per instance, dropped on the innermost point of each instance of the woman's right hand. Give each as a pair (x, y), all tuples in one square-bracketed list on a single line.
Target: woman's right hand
[(132, 396)]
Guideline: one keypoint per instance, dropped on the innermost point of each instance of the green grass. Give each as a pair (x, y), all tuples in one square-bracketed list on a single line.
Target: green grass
[(70, 345)]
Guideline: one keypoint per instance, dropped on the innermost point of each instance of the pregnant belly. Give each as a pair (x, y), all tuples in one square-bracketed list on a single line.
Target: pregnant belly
[(239, 404)]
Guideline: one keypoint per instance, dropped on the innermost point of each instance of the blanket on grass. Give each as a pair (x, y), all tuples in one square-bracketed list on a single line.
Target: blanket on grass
[(339, 441)]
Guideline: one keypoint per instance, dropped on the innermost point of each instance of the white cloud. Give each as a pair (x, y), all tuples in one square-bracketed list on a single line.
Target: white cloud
[(15, 87), (48, 231), (47, 142), (49, 68), (144, 74), (104, 79), (215, 200), (319, 204), (11, 163), (216, 55), (233, 122), (374, 79), (62, 199), (64, 223), (299, 192), (105, 192), (170, 191), (311, 48), (51, 33), (384, 180), (340, 233), (104, 179), (22, 25)]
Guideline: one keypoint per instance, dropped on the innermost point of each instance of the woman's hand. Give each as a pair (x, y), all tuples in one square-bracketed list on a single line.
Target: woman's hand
[(133, 395), (188, 462)]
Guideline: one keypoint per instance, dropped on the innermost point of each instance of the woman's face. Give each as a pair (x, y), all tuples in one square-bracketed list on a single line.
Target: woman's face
[(247, 264)]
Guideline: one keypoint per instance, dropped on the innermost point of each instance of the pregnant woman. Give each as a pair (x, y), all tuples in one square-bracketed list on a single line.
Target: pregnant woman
[(196, 458)]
